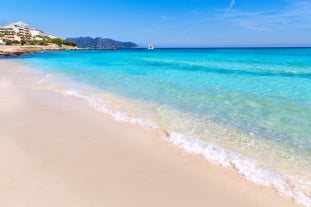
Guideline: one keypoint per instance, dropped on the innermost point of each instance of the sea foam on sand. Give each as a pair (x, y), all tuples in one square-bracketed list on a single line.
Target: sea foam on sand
[(247, 168)]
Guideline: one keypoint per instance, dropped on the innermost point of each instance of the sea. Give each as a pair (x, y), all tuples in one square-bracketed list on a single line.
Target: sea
[(243, 108)]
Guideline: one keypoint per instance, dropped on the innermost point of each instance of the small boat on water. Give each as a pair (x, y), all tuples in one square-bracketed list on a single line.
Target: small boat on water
[(150, 47)]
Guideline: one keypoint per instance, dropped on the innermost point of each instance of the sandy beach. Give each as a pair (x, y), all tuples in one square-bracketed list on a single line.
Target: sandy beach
[(58, 151)]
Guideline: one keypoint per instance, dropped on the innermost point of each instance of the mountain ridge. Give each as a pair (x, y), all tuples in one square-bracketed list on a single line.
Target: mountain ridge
[(100, 43)]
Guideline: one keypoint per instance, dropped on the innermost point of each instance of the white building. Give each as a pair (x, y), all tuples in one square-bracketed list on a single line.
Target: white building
[(20, 30), (14, 31), (20, 27), (52, 37), (20, 24), (9, 32), (35, 32), (6, 29)]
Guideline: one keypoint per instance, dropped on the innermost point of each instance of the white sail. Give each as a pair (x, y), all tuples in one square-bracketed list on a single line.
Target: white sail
[(150, 47)]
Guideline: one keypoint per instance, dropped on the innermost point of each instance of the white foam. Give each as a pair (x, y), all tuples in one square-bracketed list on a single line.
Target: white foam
[(99, 105), (45, 79), (285, 185), (247, 168)]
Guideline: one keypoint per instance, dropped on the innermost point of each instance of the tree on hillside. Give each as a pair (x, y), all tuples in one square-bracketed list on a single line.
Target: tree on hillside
[(70, 44), (23, 41), (8, 42), (58, 41)]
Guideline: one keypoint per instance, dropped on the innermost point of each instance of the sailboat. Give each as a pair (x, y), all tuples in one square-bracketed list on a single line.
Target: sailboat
[(150, 47)]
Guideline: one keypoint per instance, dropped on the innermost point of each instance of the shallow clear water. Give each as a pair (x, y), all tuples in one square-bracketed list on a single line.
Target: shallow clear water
[(255, 104)]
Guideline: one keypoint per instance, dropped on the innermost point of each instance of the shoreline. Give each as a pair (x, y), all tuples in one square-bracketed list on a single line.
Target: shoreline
[(6, 51), (30, 49), (70, 144)]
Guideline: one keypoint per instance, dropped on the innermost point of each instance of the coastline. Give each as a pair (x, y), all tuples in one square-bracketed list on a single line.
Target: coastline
[(28, 49), (64, 152)]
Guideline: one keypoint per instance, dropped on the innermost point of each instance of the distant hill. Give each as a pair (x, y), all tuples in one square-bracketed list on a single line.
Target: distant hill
[(100, 43)]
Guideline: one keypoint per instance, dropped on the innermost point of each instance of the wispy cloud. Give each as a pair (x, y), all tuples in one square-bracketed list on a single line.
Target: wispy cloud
[(296, 14), (232, 3)]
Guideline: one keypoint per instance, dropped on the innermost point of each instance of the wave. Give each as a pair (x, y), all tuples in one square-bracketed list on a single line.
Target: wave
[(191, 66), (284, 184), (99, 105)]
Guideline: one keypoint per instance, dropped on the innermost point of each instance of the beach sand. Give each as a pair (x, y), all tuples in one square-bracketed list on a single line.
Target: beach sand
[(58, 151)]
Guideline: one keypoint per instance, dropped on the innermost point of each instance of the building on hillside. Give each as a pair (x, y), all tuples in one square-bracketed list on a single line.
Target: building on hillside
[(14, 31), (9, 33), (19, 31), (20, 28), (35, 32), (6, 29), (20, 25), (52, 37)]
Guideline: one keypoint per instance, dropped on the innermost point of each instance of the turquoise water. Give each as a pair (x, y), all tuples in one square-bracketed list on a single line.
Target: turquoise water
[(245, 108)]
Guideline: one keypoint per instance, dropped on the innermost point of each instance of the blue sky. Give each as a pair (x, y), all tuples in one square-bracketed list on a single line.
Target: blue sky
[(170, 23)]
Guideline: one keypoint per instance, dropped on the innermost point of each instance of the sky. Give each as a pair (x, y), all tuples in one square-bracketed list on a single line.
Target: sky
[(170, 23)]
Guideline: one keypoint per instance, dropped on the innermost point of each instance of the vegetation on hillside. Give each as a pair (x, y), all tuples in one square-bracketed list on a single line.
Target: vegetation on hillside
[(39, 40), (101, 43)]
